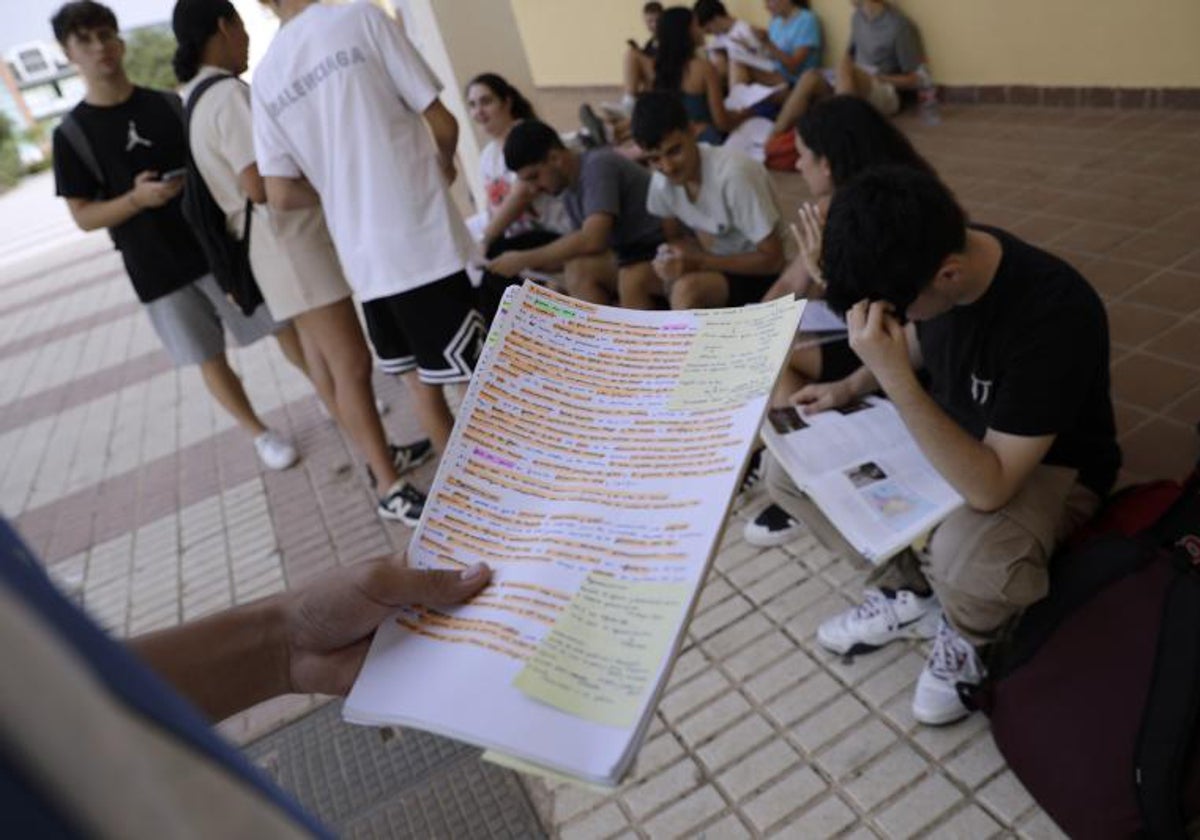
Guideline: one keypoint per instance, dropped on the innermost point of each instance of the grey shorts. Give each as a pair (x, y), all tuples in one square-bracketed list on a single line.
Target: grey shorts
[(191, 322)]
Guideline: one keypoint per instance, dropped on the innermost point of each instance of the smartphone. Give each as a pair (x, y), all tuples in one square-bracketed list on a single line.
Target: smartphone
[(172, 174)]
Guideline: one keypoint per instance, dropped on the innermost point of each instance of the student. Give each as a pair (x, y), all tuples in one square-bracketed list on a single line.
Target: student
[(792, 40), (1017, 417), (639, 61), (291, 253), (135, 136), (608, 255), (720, 216), (836, 140), (678, 67), (382, 178), (727, 33), (885, 57), (517, 217), (115, 740)]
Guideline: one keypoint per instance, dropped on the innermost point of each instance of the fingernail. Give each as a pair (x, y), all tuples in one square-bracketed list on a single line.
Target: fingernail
[(473, 573)]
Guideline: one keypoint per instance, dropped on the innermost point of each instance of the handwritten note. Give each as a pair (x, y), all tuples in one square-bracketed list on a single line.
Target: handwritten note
[(600, 659)]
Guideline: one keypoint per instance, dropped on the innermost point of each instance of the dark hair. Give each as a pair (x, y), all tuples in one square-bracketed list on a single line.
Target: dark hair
[(529, 142), (886, 234), (652, 8), (518, 105), (850, 134), (75, 17), (675, 47), (655, 115), (706, 10), (194, 22)]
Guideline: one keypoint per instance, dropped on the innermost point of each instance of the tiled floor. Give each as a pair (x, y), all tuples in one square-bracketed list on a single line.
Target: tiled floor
[(136, 490)]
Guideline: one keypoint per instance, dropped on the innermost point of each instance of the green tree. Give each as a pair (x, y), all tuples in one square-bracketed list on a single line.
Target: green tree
[(10, 158), (148, 54)]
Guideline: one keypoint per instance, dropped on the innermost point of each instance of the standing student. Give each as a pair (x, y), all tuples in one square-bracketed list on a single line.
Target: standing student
[(720, 216), (609, 254), (346, 114), (110, 156), (291, 254)]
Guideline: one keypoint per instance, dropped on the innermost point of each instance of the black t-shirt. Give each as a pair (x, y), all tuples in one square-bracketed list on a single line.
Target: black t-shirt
[(1030, 358), (143, 132)]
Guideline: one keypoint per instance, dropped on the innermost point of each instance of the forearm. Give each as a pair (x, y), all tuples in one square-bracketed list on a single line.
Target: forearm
[(226, 662), (94, 215), (792, 61), (508, 212), (290, 193), (969, 466), (562, 249), (902, 81)]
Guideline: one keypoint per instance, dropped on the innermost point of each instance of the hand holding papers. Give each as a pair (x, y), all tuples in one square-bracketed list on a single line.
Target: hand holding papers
[(592, 465)]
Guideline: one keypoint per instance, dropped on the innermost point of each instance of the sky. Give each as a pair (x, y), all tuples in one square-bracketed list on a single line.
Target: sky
[(29, 20)]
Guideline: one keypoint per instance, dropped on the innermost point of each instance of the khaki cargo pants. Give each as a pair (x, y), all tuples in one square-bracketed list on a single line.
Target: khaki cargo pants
[(985, 568)]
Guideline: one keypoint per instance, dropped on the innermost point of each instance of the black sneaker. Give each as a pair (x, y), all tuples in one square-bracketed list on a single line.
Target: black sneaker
[(406, 457), (403, 503), (754, 472), (773, 526), (593, 128)]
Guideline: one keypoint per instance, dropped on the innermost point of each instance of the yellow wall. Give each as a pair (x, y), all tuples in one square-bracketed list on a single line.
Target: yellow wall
[(1112, 43)]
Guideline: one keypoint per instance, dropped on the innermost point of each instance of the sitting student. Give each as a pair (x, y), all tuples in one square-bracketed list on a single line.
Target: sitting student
[(792, 40), (132, 136), (639, 61), (884, 58), (291, 254), (728, 34), (720, 216), (608, 255), (836, 140), (1017, 418), (678, 67)]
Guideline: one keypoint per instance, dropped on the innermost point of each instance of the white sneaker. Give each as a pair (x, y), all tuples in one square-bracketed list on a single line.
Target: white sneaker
[(772, 526), (883, 616), (275, 451), (953, 660)]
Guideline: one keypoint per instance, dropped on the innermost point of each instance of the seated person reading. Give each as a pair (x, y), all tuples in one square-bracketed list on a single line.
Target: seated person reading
[(607, 255), (1018, 416), (885, 57), (792, 40), (720, 216)]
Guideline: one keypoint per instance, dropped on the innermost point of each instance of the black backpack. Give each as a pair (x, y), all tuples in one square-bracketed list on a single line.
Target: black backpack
[(228, 256), (1094, 701)]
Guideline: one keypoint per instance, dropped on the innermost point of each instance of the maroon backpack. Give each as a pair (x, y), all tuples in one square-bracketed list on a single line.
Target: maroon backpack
[(1094, 700)]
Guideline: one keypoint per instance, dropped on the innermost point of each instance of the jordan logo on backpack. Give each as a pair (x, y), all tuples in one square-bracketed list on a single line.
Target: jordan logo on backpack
[(135, 139)]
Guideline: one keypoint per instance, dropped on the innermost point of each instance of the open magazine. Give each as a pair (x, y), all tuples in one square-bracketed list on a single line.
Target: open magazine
[(592, 465), (862, 468)]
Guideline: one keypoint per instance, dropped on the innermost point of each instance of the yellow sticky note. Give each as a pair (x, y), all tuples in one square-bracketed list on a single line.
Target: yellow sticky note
[(600, 659)]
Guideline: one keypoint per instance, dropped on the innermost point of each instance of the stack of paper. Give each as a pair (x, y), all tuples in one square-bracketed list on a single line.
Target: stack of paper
[(592, 466)]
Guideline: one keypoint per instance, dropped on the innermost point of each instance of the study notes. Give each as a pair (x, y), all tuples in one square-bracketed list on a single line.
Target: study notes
[(592, 466)]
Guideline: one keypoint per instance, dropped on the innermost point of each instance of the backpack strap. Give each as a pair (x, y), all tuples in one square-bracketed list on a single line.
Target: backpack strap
[(1168, 729), (73, 131), (185, 113)]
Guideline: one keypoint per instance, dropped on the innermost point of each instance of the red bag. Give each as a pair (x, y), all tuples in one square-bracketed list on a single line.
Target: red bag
[(781, 152)]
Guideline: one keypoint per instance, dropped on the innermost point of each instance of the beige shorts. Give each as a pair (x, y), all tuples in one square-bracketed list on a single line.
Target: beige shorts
[(295, 263)]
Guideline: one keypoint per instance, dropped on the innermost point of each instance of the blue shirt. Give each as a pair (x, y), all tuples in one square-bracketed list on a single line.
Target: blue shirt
[(789, 34), (27, 803)]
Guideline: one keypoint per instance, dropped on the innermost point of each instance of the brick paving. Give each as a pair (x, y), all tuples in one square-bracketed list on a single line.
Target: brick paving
[(139, 494)]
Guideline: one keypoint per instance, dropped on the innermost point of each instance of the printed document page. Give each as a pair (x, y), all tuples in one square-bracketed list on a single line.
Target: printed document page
[(591, 466)]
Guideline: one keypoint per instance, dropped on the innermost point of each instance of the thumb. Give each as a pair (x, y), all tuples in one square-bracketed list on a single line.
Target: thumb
[(396, 585)]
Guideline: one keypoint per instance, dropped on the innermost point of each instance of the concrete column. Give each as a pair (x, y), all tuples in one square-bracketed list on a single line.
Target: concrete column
[(460, 39)]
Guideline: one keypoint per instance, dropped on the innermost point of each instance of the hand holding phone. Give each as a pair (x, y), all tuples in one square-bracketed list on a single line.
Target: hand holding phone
[(172, 174)]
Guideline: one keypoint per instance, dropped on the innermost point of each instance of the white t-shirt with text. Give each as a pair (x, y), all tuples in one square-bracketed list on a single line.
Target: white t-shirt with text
[(338, 100)]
